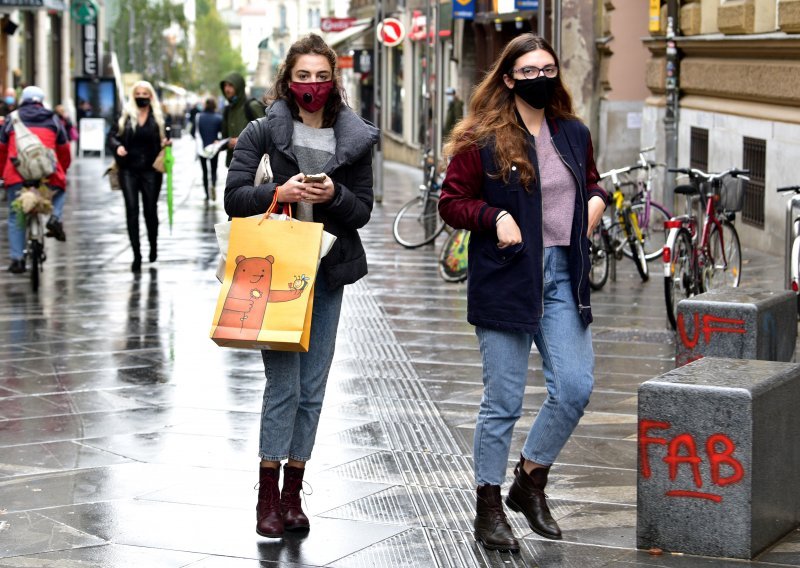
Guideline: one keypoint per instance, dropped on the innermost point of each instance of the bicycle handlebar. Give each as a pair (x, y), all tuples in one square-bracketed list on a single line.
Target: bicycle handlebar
[(710, 176), (613, 174), (795, 188)]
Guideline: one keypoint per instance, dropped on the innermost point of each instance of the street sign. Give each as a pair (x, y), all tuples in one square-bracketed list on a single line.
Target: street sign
[(391, 32), (336, 24)]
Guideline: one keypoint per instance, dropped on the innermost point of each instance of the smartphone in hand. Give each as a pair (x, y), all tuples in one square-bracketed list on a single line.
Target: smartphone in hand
[(313, 178)]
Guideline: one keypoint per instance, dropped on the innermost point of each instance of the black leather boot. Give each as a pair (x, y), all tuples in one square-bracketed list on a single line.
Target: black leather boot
[(526, 496), (491, 526)]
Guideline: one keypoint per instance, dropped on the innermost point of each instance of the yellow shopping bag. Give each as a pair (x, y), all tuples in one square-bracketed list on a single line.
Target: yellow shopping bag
[(267, 294)]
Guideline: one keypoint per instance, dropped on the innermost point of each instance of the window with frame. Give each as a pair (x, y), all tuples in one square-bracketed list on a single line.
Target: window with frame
[(754, 158), (698, 148)]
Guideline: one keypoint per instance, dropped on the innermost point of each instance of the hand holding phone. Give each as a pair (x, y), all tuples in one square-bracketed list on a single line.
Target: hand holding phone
[(313, 178)]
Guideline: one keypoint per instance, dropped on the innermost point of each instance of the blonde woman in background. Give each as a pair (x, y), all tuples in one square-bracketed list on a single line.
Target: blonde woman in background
[(136, 139)]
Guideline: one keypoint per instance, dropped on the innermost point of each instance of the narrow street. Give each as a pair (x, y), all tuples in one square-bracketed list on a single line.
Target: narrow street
[(129, 439)]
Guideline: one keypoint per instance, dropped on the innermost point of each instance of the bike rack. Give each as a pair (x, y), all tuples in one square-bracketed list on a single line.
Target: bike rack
[(791, 206)]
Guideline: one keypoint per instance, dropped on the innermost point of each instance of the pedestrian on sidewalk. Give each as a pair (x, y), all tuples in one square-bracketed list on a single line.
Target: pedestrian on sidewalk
[(239, 111), (46, 126), (308, 129), (208, 127), (522, 179), (136, 139)]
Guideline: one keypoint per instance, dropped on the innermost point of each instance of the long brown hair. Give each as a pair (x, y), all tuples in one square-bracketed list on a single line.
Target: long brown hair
[(492, 112), (310, 44)]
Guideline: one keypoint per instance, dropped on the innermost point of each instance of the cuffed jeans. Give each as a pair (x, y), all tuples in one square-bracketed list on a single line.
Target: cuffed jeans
[(296, 384), (16, 231), (565, 345)]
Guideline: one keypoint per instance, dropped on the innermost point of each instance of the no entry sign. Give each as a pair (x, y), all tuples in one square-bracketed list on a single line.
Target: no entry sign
[(391, 32)]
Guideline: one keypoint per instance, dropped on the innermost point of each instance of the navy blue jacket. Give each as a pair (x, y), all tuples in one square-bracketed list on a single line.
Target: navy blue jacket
[(209, 126), (350, 168), (505, 286)]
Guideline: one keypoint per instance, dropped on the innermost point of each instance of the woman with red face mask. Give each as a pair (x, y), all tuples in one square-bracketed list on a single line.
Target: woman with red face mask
[(308, 130)]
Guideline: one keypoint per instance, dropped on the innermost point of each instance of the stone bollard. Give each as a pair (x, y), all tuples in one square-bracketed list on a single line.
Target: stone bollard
[(718, 457), (737, 323)]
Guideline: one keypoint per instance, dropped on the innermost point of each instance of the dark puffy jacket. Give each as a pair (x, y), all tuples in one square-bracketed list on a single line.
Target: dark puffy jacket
[(505, 287), (350, 169)]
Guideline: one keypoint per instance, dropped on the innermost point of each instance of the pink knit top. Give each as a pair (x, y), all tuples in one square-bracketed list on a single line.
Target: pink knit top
[(558, 191)]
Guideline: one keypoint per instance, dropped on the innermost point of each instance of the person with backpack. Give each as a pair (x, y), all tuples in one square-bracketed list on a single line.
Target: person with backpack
[(239, 111), (34, 149)]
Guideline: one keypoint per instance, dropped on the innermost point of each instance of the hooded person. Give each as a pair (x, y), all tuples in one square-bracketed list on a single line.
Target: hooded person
[(238, 112)]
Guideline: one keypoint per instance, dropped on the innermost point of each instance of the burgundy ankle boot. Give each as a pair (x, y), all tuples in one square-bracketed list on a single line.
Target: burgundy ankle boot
[(269, 521), (294, 519), (526, 496)]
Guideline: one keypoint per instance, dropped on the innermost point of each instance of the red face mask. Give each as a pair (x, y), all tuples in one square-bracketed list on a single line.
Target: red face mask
[(311, 96)]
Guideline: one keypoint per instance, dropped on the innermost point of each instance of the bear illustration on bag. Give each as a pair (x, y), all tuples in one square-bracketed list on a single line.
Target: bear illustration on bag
[(246, 303)]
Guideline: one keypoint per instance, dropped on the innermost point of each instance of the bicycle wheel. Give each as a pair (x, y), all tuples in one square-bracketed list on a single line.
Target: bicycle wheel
[(599, 254), (453, 257), (679, 283), (654, 235), (723, 270), (35, 258), (794, 272), (418, 222)]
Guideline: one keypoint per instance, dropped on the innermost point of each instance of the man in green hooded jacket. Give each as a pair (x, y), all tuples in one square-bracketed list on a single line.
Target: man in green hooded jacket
[(239, 111)]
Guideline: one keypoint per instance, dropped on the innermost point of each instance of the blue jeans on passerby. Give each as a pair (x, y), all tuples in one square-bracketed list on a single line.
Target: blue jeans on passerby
[(296, 384), (565, 345), (16, 230)]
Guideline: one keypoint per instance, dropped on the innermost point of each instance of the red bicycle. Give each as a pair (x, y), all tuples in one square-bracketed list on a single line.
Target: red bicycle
[(699, 257)]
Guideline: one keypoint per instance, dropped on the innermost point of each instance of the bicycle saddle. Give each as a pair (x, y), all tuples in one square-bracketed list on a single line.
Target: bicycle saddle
[(686, 189)]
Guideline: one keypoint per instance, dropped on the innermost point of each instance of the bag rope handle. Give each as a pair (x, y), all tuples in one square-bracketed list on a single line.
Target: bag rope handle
[(273, 208)]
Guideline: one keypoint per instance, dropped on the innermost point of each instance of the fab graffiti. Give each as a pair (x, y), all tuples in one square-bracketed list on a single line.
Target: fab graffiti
[(682, 452), (705, 326)]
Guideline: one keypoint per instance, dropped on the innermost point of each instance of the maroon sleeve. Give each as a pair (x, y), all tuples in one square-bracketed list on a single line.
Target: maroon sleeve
[(3, 156), (592, 177), (64, 156), (461, 204)]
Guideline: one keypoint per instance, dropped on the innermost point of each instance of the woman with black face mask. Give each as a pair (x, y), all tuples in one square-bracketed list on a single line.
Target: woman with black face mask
[(522, 179), (308, 130), (136, 139)]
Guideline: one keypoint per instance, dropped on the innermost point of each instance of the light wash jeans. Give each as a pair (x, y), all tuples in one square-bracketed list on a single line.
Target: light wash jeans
[(296, 384), (565, 345), (16, 231)]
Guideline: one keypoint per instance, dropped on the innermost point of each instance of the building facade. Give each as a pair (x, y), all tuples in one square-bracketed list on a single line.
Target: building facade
[(739, 80)]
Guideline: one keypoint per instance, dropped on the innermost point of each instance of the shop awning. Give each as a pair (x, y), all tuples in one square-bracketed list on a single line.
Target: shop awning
[(34, 4), (342, 38)]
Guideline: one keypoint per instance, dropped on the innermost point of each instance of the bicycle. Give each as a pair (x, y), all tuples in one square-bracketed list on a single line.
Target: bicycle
[(698, 258), (418, 222), (33, 205), (638, 231), (792, 268), (454, 255)]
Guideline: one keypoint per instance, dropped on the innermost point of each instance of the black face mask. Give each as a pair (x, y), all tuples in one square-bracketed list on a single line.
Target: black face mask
[(142, 102), (536, 92)]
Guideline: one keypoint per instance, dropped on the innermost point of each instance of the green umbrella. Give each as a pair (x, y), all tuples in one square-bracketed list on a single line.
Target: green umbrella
[(169, 161)]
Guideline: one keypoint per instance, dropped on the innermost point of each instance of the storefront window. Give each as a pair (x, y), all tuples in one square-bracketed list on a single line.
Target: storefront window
[(396, 92)]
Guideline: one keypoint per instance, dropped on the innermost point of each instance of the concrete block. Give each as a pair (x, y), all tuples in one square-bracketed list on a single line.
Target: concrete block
[(739, 323), (737, 17), (718, 457), (789, 16)]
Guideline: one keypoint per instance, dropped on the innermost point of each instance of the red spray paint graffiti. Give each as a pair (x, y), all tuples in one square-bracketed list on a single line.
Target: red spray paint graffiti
[(682, 450), (711, 325)]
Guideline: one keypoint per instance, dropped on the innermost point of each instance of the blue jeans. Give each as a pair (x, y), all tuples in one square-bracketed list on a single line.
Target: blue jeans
[(296, 384), (16, 231), (565, 345)]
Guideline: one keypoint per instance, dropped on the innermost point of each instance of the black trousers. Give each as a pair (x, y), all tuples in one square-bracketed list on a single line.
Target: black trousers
[(205, 165), (146, 184)]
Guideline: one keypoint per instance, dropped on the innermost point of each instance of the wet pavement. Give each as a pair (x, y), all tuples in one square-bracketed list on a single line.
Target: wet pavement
[(128, 439)]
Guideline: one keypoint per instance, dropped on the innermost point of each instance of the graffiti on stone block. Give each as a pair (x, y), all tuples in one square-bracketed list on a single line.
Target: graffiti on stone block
[(710, 325), (681, 452)]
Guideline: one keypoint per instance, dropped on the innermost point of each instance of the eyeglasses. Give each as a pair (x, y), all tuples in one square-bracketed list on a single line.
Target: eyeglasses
[(531, 72)]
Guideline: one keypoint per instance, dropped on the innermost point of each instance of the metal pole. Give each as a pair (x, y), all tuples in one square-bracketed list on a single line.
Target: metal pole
[(540, 15), (672, 108), (438, 69), (557, 27), (377, 88)]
